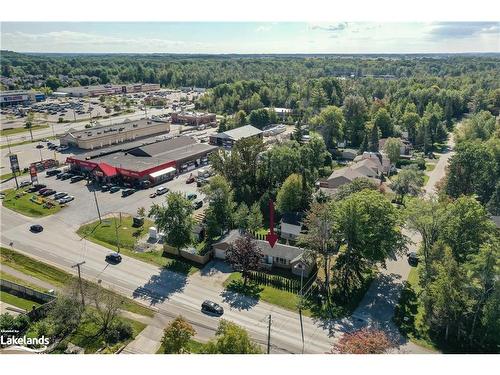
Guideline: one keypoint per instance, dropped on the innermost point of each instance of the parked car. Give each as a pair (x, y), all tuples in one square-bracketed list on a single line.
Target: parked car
[(413, 259), (197, 204), (66, 176), (53, 172), (201, 182), (24, 183), (191, 196), (42, 190), (105, 187), (152, 195), (36, 228), (113, 258), (127, 192), (62, 148), (36, 187), (47, 192), (162, 190), (212, 308), (190, 180), (66, 199), (60, 195), (114, 189), (77, 178)]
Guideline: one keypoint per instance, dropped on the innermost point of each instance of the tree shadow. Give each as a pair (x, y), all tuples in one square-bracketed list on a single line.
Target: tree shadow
[(161, 287), (214, 267), (241, 297)]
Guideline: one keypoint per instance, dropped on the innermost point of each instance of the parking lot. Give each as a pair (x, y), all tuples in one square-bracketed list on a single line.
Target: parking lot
[(83, 208)]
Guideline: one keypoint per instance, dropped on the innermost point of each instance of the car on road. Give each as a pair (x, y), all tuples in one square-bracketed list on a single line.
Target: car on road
[(77, 178), (53, 172), (65, 199), (36, 228), (60, 195), (24, 183), (212, 308), (197, 204), (191, 196), (113, 258), (114, 189), (39, 146), (152, 195), (127, 192), (162, 190), (413, 259), (190, 180)]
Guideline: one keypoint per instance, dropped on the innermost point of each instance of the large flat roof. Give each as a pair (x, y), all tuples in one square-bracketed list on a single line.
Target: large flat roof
[(131, 162), (105, 130), (240, 133)]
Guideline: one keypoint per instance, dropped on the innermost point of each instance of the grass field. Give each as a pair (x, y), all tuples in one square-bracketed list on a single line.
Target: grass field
[(8, 277), (19, 201), (6, 176), (105, 234), (21, 130), (16, 301), (55, 276), (265, 293), (87, 336), (429, 167)]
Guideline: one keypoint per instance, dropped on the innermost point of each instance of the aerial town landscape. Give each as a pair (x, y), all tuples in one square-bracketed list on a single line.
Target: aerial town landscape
[(287, 203)]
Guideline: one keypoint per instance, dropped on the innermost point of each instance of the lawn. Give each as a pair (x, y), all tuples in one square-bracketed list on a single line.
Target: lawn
[(429, 167), (6, 176), (56, 277), (105, 234), (21, 202), (21, 130), (19, 302), (194, 347), (13, 279), (87, 336), (265, 293), (426, 179)]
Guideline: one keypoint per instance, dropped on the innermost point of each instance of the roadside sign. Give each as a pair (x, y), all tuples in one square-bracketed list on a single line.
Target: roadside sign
[(33, 174), (14, 163)]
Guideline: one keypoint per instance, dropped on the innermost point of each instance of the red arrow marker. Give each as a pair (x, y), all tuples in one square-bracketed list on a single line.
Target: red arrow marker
[(271, 237)]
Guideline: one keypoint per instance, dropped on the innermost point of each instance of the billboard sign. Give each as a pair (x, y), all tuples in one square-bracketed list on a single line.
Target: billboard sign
[(14, 163), (33, 174)]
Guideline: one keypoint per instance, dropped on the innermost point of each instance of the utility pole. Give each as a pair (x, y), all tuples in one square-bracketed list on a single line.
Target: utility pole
[(116, 232), (80, 280), (300, 309), (269, 336), (8, 144), (97, 206)]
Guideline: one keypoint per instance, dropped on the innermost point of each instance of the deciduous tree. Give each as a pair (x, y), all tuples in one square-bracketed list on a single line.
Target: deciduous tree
[(177, 335), (244, 255)]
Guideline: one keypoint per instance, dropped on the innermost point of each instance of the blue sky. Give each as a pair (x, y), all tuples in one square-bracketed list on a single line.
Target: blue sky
[(251, 37)]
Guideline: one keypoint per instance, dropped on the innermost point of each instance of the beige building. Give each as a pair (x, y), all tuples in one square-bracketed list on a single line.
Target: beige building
[(105, 136)]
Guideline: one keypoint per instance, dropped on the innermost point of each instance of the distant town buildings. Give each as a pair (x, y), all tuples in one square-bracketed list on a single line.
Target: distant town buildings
[(20, 97), (228, 138), (98, 90), (193, 118)]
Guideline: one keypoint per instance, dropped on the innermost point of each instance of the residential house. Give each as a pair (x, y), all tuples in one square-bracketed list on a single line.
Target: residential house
[(280, 256), (382, 161), (405, 148), (290, 226)]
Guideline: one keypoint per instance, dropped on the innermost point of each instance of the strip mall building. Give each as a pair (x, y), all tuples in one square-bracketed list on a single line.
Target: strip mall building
[(156, 162)]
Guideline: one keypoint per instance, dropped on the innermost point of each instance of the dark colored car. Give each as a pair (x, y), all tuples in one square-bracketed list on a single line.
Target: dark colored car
[(105, 187), (36, 187), (127, 192), (77, 178), (40, 146), (37, 228), (212, 308), (197, 204), (190, 180), (66, 176), (114, 189), (24, 183), (201, 182), (41, 191), (144, 184), (47, 192), (60, 195), (113, 258), (191, 196), (53, 172), (413, 259)]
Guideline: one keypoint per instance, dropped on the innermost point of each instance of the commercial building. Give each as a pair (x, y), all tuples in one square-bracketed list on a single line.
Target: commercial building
[(20, 97), (156, 162), (109, 89), (229, 138), (193, 118), (104, 136)]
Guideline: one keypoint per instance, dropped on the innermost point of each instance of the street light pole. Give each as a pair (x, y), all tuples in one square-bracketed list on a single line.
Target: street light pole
[(80, 280)]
